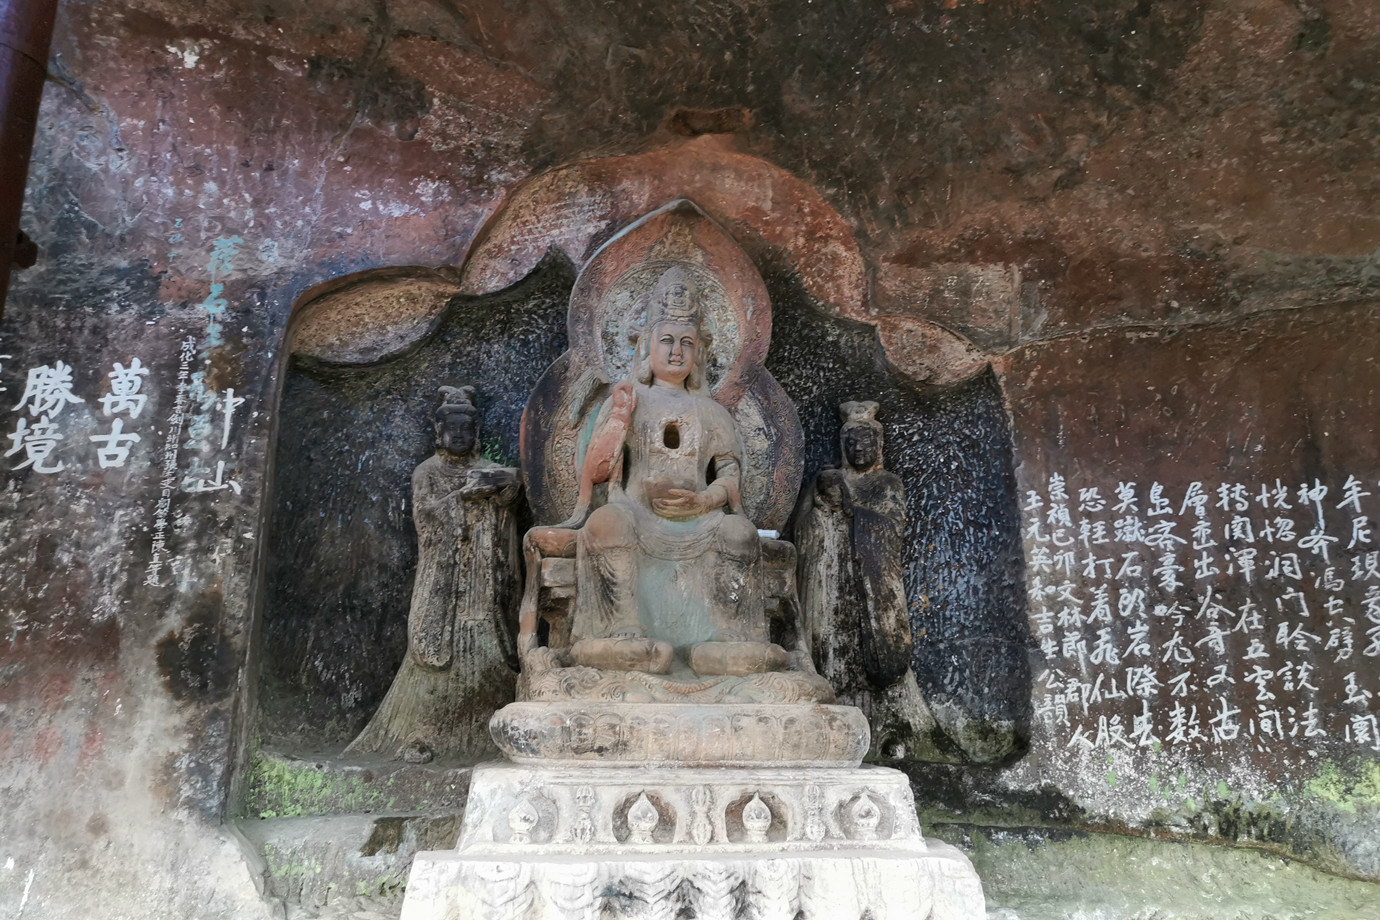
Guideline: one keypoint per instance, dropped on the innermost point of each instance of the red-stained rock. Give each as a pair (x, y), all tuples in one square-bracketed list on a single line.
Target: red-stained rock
[(777, 218), (927, 353), (370, 317)]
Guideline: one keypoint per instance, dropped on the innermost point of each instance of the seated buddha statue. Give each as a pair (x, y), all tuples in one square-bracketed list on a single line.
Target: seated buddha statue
[(669, 561), (660, 620)]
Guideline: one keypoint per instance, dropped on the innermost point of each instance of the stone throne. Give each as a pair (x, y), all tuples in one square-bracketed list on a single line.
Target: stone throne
[(609, 310), (672, 751)]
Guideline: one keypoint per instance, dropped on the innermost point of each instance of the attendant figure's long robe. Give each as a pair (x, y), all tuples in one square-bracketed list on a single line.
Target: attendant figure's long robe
[(854, 602), (461, 664)]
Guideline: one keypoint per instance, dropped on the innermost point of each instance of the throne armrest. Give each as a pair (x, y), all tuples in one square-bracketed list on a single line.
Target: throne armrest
[(549, 554), (778, 573)]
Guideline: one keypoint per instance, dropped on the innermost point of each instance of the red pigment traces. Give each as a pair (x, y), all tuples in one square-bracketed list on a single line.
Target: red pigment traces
[(54, 691), (47, 745), (91, 745)]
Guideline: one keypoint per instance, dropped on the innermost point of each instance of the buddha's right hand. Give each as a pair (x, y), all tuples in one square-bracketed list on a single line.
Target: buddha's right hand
[(624, 400), (680, 504), (606, 446)]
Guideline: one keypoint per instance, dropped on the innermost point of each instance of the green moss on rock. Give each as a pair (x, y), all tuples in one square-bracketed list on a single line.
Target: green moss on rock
[(291, 789), (1346, 787)]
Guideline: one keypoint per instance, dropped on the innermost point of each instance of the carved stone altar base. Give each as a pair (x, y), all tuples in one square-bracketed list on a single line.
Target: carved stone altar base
[(566, 842), (673, 734)]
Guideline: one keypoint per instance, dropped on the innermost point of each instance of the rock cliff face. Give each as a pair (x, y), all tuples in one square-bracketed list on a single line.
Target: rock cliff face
[(1112, 268)]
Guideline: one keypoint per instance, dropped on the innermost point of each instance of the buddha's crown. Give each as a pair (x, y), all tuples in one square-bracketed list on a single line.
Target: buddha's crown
[(674, 299)]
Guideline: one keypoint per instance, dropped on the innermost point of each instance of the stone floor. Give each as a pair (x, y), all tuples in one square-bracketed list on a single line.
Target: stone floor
[(1028, 876), (338, 841)]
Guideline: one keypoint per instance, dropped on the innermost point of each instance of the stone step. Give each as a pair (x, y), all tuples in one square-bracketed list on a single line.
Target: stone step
[(345, 866), (285, 785)]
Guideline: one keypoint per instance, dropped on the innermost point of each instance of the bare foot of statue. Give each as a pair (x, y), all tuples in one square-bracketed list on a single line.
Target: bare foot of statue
[(623, 654), (736, 658), (418, 752)]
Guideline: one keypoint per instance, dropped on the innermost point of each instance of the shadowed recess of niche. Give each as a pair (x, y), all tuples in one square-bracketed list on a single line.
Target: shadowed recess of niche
[(963, 564), (343, 551)]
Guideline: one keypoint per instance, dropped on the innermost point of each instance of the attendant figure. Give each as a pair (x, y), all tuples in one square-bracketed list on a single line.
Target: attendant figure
[(461, 662), (850, 534)]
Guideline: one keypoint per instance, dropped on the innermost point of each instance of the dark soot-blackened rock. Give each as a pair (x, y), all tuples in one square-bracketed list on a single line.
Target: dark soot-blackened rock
[(963, 564), (343, 549)]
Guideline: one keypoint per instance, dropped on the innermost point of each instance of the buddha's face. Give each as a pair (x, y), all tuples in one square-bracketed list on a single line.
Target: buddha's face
[(674, 349), (862, 446), (455, 433)]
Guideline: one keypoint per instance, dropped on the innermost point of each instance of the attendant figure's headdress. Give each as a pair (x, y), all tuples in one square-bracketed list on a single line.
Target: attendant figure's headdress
[(456, 401), (859, 413)]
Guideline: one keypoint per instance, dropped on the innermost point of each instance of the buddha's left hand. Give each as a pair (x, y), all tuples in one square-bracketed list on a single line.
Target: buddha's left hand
[(683, 504)]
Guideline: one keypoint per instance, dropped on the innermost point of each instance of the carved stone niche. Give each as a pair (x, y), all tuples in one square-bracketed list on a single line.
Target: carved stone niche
[(696, 767)]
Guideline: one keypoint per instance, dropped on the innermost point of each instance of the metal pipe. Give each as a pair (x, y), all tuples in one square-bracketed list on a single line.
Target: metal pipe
[(26, 31)]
